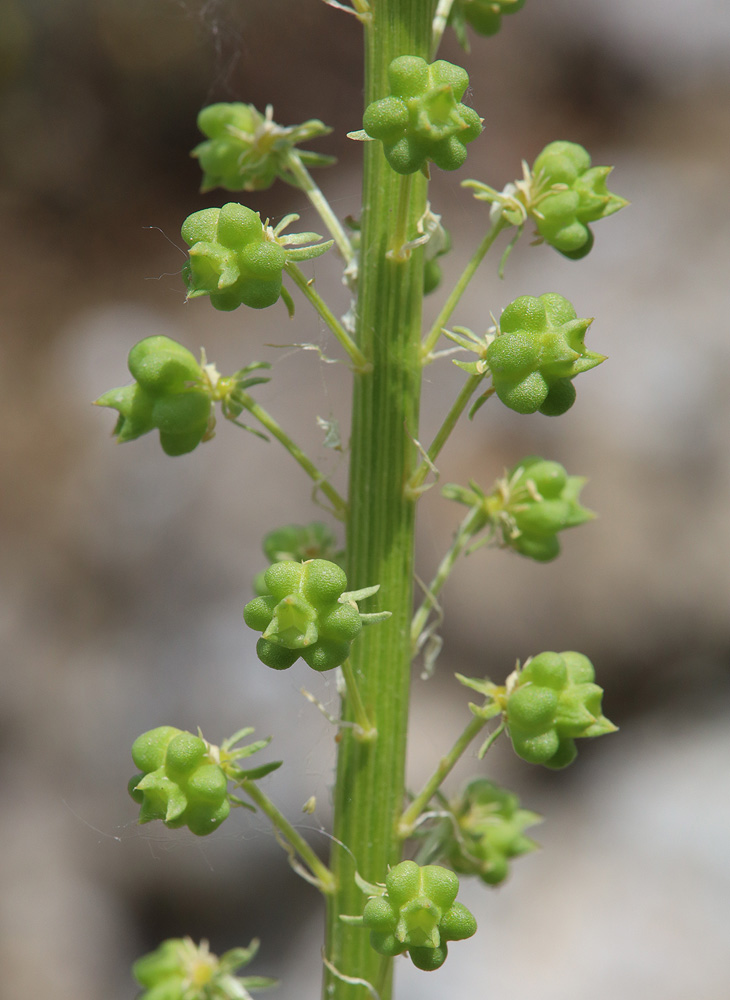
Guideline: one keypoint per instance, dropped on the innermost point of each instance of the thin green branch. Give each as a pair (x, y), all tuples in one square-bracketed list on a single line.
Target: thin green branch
[(409, 819), (266, 420), (440, 20), (324, 210), (429, 341), (414, 484), (365, 731), (324, 879), (472, 523), (361, 363)]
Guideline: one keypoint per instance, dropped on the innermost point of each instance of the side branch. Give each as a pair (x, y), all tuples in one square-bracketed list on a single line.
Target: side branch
[(415, 483), (361, 363), (322, 206), (409, 819), (266, 420), (429, 341), (472, 523), (323, 877)]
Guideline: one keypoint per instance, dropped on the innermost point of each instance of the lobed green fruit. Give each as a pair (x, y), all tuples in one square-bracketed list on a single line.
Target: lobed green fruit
[(554, 701), (179, 782), (543, 501), (572, 194), (485, 16), (231, 258), (231, 157), (418, 914), (245, 150), (169, 395), (539, 348), (300, 614), (423, 120), (490, 829)]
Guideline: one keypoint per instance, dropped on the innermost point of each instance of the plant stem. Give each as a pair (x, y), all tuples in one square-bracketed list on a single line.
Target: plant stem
[(324, 878), (451, 303), (416, 480), (266, 420), (362, 365), (409, 818), (472, 523), (320, 203), (369, 790)]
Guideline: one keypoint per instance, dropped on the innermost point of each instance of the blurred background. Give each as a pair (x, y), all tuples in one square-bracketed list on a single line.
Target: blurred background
[(124, 572)]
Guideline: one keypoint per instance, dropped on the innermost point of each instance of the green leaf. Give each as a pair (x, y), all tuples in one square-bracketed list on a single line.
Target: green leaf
[(254, 773)]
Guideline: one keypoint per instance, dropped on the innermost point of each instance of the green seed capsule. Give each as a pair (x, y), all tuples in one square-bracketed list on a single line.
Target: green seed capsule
[(418, 914), (180, 784), (246, 151), (170, 395), (567, 195), (422, 119), (484, 16), (533, 503), (554, 702), (539, 348), (490, 825), (303, 613)]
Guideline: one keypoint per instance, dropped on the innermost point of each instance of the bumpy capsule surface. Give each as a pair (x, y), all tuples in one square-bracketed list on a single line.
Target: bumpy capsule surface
[(542, 501), (422, 119), (300, 614), (568, 195), (539, 349), (297, 543), (418, 914), (553, 702), (169, 395), (179, 782), (231, 259), (490, 829)]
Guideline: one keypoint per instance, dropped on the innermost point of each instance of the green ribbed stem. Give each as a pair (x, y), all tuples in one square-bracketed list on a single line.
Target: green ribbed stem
[(370, 776)]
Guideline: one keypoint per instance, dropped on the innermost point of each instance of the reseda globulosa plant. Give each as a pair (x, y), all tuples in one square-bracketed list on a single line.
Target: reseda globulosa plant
[(307, 604)]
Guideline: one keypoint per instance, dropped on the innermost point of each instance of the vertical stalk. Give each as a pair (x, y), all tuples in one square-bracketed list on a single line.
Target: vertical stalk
[(370, 776)]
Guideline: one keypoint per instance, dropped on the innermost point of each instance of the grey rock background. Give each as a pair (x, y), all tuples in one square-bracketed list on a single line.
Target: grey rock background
[(124, 574)]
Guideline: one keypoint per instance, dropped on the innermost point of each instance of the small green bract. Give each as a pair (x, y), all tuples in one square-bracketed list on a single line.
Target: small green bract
[(538, 350), (169, 395), (180, 783), (422, 118), (418, 914), (551, 702)]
